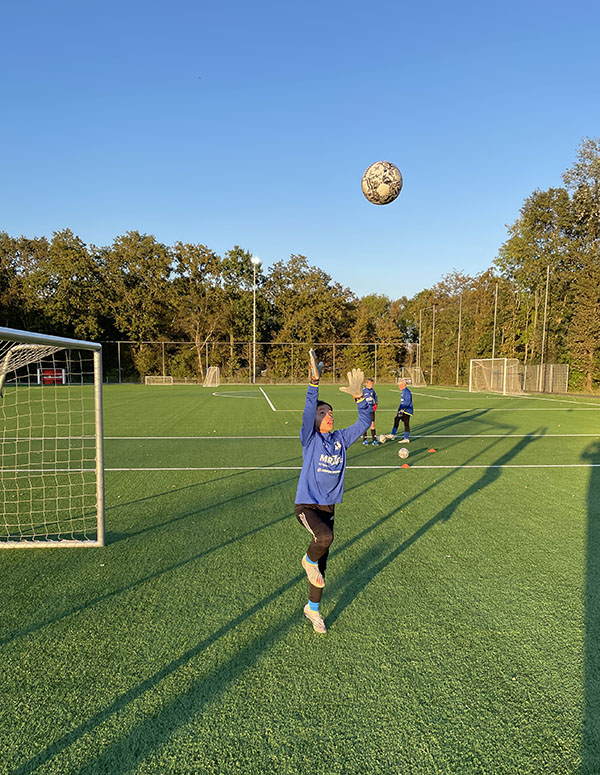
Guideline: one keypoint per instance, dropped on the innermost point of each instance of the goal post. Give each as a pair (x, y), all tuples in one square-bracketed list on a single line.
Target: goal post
[(495, 375), (51, 441), (158, 380)]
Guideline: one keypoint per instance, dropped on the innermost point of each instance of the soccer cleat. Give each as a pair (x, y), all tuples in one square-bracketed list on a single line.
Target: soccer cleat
[(365, 443), (375, 443), (391, 435), (315, 618), (404, 441), (314, 574)]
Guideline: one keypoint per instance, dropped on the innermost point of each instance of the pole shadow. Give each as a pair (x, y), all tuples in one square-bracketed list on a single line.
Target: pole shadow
[(591, 704), (371, 563)]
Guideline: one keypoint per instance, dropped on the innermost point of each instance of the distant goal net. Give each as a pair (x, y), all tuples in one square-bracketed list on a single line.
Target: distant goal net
[(157, 380), (51, 456), (495, 375), (413, 376), (213, 377)]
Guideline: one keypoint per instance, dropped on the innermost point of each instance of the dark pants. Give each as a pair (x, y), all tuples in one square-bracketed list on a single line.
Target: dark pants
[(318, 520), (405, 419), (372, 428)]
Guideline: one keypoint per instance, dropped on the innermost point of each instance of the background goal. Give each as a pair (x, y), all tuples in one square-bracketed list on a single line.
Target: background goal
[(51, 454), (496, 375), (213, 377), (158, 380)]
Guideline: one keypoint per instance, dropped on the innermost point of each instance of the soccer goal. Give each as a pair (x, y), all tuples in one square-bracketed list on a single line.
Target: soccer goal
[(213, 377), (413, 375), (495, 375), (158, 380), (51, 453)]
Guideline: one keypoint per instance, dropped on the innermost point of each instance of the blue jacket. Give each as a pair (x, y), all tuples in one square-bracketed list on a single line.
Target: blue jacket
[(370, 396), (324, 454), (406, 404)]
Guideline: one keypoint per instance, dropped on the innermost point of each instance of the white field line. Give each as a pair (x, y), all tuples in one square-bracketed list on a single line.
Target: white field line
[(425, 395), (296, 438), (374, 468), (243, 394), (456, 410), (268, 399), (54, 471)]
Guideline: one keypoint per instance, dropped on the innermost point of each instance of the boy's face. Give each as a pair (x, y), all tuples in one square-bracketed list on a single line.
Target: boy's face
[(369, 383), (324, 418), (401, 384)]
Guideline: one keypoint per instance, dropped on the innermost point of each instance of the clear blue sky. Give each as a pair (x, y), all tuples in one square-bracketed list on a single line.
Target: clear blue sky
[(251, 123)]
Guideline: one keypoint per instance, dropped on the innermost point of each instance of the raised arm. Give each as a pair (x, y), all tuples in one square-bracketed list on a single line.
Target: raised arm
[(312, 396), (354, 388)]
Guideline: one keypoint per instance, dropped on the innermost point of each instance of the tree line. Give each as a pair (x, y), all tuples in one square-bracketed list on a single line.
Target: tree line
[(539, 301)]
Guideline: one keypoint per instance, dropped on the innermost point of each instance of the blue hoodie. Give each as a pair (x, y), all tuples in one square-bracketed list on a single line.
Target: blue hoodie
[(324, 454)]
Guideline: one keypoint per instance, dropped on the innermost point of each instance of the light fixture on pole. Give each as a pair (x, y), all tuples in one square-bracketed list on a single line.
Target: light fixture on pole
[(255, 263)]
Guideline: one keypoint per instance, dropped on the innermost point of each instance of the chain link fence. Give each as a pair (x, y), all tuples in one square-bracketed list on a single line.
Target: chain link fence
[(276, 362)]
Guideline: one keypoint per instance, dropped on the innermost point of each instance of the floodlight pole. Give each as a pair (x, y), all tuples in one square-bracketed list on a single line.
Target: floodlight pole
[(495, 311), (255, 263), (458, 340)]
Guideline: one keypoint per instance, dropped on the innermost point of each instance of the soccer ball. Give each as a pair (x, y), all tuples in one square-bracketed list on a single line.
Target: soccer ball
[(403, 453), (382, 182), (382, 438)]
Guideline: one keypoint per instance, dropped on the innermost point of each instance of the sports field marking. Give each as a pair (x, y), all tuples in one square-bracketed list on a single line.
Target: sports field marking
[(455, 410), (241, 394), (295, 437), (425, 395), (268, 399), (299, 468)]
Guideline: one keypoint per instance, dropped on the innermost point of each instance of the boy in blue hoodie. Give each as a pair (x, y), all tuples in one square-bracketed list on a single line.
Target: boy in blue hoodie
[(321, 483), (404, 413)]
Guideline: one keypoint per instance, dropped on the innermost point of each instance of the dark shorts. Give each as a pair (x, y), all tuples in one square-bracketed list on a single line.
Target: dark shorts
[(318, 520)]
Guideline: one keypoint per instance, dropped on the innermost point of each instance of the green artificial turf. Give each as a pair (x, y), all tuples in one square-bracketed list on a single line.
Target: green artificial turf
[(462, 597)]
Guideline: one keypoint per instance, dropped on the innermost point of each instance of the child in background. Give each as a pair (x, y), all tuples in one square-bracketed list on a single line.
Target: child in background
[(405, 412), (371, 398)]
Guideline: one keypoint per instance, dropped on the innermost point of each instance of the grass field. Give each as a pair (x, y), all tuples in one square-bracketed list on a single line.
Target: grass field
[(462, 597)]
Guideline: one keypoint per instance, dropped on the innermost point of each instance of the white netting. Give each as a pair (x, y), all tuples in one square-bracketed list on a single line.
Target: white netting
[(496, 375), (413, 375), (158, 380), (48, 451), (213, 377), (546, 378)]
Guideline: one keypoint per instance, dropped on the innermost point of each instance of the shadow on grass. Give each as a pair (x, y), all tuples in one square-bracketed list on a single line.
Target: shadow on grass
[(123, 755), (591, 717), (370, 564), (175, 566)]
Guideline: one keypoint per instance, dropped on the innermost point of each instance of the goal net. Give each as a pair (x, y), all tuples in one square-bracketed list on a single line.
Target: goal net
[(546, 378), (413, 376), (51, 456), (213, 377), (157, 380), (495, 375)]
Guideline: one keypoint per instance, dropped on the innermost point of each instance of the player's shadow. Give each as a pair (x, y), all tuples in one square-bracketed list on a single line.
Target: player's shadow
[(372, 563), (155, 574), (591, 718), (123, 755)]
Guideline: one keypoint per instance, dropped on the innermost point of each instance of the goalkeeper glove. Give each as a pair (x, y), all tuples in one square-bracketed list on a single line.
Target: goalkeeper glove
[(315, 368), (355, 381)]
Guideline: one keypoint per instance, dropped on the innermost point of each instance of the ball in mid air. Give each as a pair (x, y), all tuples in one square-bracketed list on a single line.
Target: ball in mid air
[(403, 453), (382, 182)]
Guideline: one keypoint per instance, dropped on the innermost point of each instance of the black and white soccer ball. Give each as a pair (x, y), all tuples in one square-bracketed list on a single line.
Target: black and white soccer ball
[(403, 453), (382, 182)]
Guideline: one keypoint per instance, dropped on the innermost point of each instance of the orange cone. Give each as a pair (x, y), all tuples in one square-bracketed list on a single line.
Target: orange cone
[(404, 465)]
